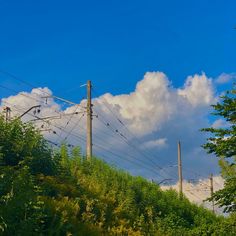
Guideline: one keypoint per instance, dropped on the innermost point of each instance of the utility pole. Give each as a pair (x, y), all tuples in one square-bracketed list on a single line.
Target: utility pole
[(89, 121), (180, 171), (8, 113), (212, 191)]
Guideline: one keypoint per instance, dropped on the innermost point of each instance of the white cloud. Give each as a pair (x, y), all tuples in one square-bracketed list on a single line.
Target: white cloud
[(199, 191), (154, 109), (155, 102), (198, 90), (24, 100), (157, 116), (147, 107), (225, 78)]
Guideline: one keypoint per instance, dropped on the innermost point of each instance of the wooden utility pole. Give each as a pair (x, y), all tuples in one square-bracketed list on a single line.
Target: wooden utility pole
[(212, 191), (8, 113), (180, 171), (89, 121)]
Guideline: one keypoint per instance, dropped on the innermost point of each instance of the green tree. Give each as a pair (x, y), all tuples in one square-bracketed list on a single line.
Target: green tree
[(61, 193), (222, 142), (22, 144)]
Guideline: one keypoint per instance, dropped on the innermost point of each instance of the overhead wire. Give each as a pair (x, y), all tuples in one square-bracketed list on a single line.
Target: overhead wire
[(194, 195), (116, 131), (124, 125), (98, 146), (31, 85), (22, 109), (200, 178), (73, 128), (45, 121), (28, 84), (115, 116), (33, 98), (69, 133), (68, 121), (124, 159)]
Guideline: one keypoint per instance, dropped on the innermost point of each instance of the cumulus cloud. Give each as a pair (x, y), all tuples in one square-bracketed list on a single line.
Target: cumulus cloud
[(155, 102), (155, 115), (225, 78), (139, 108), (198, 90), (199, 191)]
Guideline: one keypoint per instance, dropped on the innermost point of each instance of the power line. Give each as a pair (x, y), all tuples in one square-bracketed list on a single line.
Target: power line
[(115, 131), (124, 125), (21, 109), (107, 124), (20, 93), (124, 139), (62, 129), (123, 153), (16, 78), (58, 127), (101, 147), (98, 146), (33, 86), (30, 97), (69, 133), (128, 155), (140, 165), (68, 121), (194, 194)]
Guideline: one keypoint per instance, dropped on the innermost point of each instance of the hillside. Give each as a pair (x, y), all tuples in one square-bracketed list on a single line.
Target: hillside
[(59, 192)]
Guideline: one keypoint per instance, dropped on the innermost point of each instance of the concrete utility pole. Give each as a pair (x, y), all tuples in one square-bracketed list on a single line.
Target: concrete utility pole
[(180, 171), (212, 191), (89, 121), (8, 113)]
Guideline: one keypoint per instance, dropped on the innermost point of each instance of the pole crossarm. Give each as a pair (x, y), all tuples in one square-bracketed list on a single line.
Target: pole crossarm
[(57, 117), (31, 108), (63, 100)]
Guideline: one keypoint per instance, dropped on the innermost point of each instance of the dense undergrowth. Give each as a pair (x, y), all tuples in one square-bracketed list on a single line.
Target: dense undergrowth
[(57, 192)]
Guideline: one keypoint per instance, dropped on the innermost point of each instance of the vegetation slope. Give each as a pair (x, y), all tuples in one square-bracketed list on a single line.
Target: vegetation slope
[(57, 192)]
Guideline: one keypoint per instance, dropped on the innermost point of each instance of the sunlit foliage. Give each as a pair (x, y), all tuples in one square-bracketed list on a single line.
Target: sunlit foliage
[(61, 193)]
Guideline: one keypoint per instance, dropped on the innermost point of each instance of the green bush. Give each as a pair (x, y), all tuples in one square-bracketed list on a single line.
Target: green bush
[(57, 193)]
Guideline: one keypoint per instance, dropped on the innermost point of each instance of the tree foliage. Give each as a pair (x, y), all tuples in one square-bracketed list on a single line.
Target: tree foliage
[(61, 193), (222, 142)]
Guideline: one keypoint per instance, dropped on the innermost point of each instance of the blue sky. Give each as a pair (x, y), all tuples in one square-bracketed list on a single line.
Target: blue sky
[(61, 44)]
